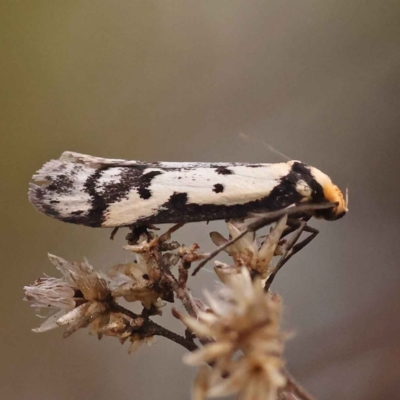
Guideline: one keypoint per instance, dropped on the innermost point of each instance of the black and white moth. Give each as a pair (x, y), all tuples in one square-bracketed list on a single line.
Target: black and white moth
[(101, 192)]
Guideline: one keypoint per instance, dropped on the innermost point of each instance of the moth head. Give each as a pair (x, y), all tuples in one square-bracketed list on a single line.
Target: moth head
[(331, 194)]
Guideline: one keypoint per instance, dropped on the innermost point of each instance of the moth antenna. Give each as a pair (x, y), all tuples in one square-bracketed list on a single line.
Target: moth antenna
[(273, 150), (347, 197), (248, 138)]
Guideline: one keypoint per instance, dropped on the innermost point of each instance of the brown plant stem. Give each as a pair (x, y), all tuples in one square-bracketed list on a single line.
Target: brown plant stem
[(179, 287), (150, 328), (260, 223)]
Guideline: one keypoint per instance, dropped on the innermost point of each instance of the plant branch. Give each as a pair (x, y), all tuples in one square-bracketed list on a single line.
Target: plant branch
[(150, 328), (260, 223), (179, 287)]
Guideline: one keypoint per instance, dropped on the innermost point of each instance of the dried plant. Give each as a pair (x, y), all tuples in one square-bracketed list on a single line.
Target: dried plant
[(233, 337)]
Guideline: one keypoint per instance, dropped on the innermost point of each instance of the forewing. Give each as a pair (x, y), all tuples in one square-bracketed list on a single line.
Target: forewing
[(95, 191)]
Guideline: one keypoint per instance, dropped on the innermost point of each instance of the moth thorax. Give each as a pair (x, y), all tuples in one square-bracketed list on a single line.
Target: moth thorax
[(303, 189)]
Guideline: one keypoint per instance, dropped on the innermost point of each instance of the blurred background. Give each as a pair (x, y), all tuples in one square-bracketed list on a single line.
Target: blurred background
[(181, 81)]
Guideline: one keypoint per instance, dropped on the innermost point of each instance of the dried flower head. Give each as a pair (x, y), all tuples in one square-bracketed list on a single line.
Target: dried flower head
[(84, 297), (245, 342), (136, 281), (144, 280), (79, 295), (246, 252)]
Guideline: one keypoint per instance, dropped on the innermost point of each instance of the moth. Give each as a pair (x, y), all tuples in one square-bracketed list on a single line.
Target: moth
[(101, 192)]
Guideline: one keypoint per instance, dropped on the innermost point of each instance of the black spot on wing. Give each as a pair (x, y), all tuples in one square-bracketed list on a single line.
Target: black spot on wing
[(144, 193), (99, 203), (222, 170), (77, 217), (218, 188), (61, 185), (145, 182), (177, 201), (78, 212), (37, 196), (175, 209)]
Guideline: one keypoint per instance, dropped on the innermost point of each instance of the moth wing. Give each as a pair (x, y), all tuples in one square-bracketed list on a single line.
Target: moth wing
[(97, 191)]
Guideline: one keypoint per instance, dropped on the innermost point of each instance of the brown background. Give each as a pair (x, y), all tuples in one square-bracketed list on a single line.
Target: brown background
[(181, 80)]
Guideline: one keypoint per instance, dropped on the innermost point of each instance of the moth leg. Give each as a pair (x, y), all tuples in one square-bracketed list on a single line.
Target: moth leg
[(293, 224), (298, 246), (114, 232), (264, 221), (137, 230), (292, 247)]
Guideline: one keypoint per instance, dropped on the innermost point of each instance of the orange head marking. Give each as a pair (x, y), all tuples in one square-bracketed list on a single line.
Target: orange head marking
[(331, 194)]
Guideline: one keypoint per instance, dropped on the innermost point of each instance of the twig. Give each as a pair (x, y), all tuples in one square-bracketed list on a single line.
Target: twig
[(180, 291), (161, 331), (178, 286), (260, 223), (150, 328)]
